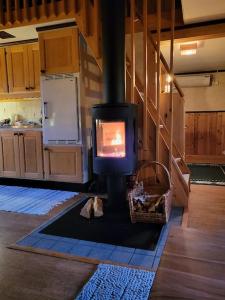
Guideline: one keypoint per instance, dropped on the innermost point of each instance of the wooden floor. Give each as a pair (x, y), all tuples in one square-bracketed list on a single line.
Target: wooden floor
[(193, 263), (192, 266)]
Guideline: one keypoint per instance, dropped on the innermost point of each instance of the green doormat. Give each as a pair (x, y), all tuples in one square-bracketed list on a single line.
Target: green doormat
[(207, 174)]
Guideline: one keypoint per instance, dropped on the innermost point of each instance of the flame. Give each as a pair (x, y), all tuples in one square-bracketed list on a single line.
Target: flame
[(118, 139)]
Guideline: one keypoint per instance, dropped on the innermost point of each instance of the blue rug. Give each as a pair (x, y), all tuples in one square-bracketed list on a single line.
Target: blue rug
[(114, 283), (31, 200)]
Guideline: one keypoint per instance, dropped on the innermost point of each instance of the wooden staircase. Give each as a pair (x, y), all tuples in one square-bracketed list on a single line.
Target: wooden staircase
[(87, 15)]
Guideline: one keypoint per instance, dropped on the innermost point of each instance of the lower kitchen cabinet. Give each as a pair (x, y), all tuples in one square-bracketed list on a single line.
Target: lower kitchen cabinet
[(9, 154), (63, 163), (31, 158), (21, 154)]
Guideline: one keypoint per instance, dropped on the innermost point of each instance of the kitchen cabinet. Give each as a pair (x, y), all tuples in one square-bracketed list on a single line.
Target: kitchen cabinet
[(59, 51), (34, 67), (9, 154), (3, 73), (23, 69), (63, 163), (21, 154), (30, 155)]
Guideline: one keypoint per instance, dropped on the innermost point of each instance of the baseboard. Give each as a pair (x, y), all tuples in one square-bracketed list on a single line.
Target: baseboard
[(65, 186), (210, 159)]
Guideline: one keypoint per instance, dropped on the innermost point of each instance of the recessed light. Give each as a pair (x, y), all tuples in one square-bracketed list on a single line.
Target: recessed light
[(188, 49)]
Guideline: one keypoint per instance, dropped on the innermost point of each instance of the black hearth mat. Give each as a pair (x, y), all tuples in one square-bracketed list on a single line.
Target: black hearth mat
[(113, 228)]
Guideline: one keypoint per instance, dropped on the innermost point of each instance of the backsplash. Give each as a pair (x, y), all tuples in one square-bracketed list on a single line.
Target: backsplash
[(29, 110)]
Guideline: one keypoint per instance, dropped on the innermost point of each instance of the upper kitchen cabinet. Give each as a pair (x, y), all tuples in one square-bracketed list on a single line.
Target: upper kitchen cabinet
[(34, 66), (59, 51), (23, 66), (18, 71), (3, 73)]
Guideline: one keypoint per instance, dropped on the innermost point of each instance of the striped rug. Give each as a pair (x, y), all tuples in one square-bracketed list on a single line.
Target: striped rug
[(31, 200)]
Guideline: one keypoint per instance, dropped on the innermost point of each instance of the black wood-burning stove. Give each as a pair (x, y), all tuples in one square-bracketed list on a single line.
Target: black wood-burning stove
[(114, 122)]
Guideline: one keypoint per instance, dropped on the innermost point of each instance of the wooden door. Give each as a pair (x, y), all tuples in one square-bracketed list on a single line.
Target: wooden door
[(59, 51), (63, 163), (9, 154), (30, 152), (34, 67), (3, 72), (18, 70)]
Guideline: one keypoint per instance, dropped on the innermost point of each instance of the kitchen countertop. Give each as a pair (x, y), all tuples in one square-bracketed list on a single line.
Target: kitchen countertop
[(21, 129)]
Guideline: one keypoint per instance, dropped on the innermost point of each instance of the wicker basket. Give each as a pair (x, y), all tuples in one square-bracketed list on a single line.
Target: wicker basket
[(166, 193)]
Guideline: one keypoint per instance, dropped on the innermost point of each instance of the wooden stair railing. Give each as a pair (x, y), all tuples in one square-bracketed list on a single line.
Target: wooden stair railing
[(164, 134)]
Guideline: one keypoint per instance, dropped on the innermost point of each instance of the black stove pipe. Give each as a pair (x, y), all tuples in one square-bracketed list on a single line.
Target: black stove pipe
[(113, 52)]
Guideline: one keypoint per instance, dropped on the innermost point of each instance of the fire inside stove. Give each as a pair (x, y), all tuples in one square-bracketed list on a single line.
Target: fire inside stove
[(110, 138)]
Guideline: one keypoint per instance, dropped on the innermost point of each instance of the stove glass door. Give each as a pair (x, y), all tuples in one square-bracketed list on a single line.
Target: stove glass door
[(111, 140)]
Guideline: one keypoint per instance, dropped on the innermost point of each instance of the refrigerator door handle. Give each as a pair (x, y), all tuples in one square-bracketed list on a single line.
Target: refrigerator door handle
[(46, 110)]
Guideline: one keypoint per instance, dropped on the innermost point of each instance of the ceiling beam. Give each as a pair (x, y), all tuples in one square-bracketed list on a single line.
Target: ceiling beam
[(200, 31)]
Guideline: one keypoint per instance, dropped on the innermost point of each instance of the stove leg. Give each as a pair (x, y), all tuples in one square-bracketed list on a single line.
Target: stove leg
[(116, 189)]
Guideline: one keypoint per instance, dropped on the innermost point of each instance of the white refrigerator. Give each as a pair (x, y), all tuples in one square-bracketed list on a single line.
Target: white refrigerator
[(61, 109)]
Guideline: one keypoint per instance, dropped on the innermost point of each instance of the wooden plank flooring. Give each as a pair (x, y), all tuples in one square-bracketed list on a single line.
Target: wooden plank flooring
[(193, 262), (192, 266), (28, 276)]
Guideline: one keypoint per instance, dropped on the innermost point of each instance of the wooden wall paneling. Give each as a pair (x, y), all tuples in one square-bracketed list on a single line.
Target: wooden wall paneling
[(132, 48), (145, 77), (202, 130), (223, 135), (90, 93), (212, 137), (205, 137), (218, 132), (189, 133)]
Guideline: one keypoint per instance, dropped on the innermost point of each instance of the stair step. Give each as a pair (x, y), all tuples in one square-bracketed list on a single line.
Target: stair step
[(186, 178), (178, 159)]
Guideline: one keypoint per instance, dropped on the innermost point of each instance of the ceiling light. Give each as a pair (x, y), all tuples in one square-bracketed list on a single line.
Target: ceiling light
[(188, 49)]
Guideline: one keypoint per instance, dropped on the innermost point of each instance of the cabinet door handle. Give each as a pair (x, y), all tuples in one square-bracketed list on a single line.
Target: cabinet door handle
[(45, 110), (45, 149), (43, 71), (20, 134), (32, 87), (27, 88), (15, 133)]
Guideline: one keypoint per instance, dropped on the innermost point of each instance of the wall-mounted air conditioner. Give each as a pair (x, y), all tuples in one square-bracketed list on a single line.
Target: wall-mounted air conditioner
[(202, 80)]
